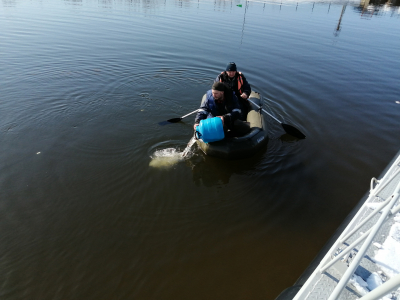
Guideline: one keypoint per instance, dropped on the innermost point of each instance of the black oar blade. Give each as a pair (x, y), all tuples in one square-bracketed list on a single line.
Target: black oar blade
[(293, 131), (174, 120)]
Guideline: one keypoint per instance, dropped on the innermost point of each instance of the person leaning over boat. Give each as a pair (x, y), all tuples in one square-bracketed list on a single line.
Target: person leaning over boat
[(238, 83), (221, 102)]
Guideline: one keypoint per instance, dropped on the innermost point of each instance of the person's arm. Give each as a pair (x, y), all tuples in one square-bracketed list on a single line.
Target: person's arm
[(234, 113), (202, 113), (246, 87)]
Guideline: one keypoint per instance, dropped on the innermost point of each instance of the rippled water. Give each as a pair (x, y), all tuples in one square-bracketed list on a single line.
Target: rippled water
[(96, 201)]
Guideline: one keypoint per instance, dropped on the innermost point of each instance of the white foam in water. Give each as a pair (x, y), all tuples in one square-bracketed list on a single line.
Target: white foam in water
[(168, 157), (165, 158)]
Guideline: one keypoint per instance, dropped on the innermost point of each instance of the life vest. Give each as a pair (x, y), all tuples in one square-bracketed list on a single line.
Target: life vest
[(239, 82)]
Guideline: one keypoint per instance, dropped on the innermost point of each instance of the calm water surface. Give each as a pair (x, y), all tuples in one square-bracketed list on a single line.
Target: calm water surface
[(83, 86)]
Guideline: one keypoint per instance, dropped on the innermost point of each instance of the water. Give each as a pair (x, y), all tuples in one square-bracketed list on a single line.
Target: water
[(85, 214)]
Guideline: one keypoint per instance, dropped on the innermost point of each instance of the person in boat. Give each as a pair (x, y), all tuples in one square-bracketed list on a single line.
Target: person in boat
[(221, 102), (238, 83)]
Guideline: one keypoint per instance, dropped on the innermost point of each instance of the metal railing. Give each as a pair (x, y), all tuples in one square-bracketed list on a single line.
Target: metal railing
[(388, 210), (384, 289), (368, 240)]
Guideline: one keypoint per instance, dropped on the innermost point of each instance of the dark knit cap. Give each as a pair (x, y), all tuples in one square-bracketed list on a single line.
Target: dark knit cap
[(219, 86), (231, 67)]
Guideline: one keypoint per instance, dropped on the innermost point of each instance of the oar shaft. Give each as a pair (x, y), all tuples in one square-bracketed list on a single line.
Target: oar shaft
[(288, 128), (266, 112), (176, 120), (191, 113)]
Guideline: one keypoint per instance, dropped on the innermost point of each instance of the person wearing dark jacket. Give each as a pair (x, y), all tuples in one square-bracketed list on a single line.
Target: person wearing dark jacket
[(220, 102), (238, 83)]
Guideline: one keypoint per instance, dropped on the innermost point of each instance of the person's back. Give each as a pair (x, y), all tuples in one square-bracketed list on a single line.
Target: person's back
[(238, 84)]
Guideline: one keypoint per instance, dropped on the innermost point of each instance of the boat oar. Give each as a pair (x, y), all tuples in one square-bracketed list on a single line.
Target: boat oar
[(288, 128), (176, 120)]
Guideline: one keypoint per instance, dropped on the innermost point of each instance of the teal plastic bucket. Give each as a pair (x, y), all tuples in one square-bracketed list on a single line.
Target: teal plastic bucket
[(210, 130)]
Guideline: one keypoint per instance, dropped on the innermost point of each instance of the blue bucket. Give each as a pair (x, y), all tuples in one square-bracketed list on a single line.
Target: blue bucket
[(210, 130)]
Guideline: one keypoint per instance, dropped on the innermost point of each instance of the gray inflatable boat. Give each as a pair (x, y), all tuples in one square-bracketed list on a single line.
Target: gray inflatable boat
[(243, 146)]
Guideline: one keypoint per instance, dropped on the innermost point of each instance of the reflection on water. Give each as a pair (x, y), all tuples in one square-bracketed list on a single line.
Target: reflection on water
[(210, 171), (369, 8), (338, 27)]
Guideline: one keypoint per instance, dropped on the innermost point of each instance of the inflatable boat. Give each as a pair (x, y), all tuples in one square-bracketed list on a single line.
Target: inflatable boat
[(241, 146)]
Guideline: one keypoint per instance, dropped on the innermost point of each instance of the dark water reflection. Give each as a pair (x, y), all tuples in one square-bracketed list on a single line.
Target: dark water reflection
[(84, 85)]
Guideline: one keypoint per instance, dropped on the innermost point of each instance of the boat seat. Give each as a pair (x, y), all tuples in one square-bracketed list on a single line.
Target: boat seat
[(253, 117)]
